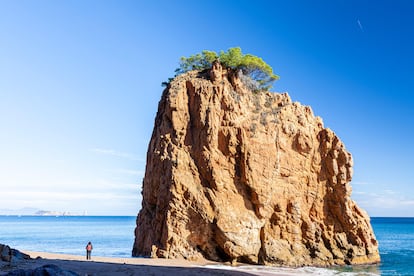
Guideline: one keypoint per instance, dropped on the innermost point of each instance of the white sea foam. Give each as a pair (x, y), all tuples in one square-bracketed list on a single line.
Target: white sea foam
[(285, 271)]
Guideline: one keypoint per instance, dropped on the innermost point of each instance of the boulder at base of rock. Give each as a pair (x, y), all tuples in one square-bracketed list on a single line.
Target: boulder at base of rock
[(237, 175), (46, 270), (8, 254)]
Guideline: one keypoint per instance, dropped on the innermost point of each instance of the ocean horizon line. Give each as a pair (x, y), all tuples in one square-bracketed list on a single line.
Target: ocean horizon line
[(26, 215), (3, 215)]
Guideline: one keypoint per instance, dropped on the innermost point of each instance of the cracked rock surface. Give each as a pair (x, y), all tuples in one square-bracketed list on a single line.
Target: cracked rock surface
[(234, 175)]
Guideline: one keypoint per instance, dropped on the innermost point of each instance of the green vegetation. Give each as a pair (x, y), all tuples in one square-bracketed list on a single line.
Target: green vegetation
[(259, 74)]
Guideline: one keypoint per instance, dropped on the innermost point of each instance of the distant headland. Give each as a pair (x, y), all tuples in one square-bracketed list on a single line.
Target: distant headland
[(30, 211)]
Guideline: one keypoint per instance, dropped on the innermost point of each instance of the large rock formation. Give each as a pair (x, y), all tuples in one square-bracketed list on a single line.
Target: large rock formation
[(234, 175)]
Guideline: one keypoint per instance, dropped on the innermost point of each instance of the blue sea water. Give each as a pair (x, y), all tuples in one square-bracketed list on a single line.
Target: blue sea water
[(110, 236), (114, 237), (396, 245)]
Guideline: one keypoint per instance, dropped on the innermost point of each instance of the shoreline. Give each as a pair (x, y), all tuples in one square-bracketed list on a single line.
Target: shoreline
[(129, 266)]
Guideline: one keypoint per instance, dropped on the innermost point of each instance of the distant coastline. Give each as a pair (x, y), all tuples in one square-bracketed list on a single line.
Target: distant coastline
[(29, 211), (57, 213)]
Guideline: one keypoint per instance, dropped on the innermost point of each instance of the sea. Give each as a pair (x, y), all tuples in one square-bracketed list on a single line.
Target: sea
[(113, 236)]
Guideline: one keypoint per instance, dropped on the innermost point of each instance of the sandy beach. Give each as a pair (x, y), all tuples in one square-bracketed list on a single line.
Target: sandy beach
[(126, 266)]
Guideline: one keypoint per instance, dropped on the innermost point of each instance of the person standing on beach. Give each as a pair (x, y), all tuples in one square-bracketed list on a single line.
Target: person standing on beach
[(89, 248)]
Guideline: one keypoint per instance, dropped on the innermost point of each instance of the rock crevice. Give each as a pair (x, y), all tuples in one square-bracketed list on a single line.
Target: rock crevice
[(234, 175)]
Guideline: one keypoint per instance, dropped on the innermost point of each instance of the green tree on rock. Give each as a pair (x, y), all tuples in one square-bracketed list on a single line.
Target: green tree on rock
[(259, 74)]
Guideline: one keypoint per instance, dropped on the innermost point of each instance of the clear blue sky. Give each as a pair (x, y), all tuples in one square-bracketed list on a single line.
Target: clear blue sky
[(80, 82)]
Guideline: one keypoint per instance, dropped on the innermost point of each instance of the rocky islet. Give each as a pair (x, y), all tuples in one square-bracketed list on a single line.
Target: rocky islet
[(237, 175)]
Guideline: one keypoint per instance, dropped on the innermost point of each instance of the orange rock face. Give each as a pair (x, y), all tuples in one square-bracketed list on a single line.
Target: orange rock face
[(234, 175)]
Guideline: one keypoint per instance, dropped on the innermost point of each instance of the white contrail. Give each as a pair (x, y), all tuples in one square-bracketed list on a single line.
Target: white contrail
[(360, 25)]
